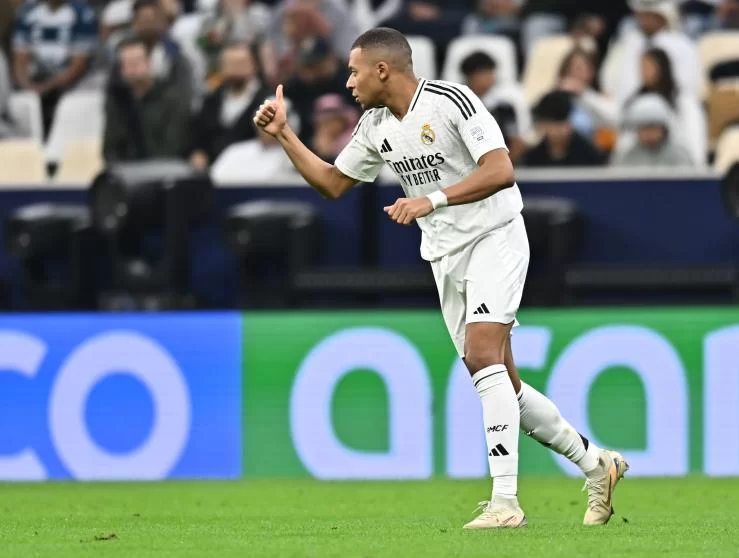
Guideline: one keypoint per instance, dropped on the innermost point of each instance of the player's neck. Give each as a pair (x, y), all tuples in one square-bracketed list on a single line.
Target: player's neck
[(398, 100)]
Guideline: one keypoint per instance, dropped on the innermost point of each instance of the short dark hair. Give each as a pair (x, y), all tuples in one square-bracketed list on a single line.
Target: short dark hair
[(477, 62), (141, 4), (554, 107), (389, 39), (133, 40)]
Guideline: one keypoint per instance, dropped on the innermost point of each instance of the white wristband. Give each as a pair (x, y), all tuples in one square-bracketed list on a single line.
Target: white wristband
[(438, 199)]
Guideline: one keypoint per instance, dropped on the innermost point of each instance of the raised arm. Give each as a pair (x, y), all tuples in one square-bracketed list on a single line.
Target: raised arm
[(323, 177)]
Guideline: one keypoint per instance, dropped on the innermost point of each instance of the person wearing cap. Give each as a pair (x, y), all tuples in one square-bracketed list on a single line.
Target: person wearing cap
[(651, 118), (294, 20), (658, 23), (334, 120), (561, 144), (319, 73)]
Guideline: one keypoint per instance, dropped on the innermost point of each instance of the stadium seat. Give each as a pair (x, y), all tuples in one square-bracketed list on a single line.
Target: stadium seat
[(81, 162), (25, 109), (22, 162), (424, 57), (542, 66), (723, 108), (727, 150), (80, 115), (716, 47), (501, 49)]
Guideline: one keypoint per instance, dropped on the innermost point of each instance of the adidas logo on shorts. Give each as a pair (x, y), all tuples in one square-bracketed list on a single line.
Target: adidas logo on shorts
[(482, 309)]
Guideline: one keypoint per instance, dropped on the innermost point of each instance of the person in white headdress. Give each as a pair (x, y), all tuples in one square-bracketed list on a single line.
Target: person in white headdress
[(658, 26)]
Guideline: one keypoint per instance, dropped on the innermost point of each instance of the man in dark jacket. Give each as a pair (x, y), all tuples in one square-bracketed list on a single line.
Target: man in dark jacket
[(145, 118), (561, 145), (320, 72), (226, 115)]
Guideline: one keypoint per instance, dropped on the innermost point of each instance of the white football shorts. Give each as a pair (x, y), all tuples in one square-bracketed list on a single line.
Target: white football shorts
[(483, 281)]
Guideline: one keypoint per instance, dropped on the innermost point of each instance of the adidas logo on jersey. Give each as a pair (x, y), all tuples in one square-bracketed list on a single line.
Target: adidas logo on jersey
[(482, 309), (386, 147)]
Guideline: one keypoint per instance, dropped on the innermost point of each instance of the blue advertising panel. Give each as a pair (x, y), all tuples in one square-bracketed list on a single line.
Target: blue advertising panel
[(120, 397)]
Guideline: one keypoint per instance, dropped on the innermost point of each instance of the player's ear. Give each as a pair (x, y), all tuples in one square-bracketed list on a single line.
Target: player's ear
[(383, 70)]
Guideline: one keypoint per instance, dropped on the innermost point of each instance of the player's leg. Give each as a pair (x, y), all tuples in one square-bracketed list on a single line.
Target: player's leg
[(484, 356), (449, 277), (542, 421), (494, 278)]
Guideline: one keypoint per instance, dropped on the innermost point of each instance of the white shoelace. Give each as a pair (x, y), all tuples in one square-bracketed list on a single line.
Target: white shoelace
[(596, 492)]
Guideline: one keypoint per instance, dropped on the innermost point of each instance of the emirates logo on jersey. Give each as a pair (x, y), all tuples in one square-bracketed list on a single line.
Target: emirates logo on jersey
[(428, 136)]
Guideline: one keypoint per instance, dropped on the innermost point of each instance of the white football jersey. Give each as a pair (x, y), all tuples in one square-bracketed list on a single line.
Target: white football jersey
[(437, 144)]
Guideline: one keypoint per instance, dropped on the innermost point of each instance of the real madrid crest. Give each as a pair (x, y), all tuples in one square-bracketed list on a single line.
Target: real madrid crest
[(428, 136)]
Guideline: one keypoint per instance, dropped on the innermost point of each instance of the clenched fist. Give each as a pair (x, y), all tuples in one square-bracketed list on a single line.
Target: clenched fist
[(407, 210), (272, 115)]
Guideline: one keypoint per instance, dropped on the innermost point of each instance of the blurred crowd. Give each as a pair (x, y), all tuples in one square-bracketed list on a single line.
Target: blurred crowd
[(183, 78)]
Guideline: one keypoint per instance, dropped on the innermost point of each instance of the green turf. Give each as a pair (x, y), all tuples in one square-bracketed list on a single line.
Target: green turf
[(688, 517)]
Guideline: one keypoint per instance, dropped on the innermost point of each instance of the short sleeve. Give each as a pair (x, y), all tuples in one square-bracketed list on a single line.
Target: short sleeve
[(359, 159), (84, 32), (478, 128)]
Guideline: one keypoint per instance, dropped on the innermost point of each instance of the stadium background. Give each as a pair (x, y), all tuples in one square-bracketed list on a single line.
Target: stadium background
[(171, 317)]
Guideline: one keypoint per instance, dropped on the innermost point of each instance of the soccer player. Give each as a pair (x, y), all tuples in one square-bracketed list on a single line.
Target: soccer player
[(453, 164)]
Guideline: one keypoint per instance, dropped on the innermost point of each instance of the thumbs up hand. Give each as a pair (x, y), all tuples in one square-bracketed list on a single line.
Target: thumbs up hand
[(272, 115)]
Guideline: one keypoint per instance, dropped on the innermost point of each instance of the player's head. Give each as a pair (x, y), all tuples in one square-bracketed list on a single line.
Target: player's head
[(377, 59)]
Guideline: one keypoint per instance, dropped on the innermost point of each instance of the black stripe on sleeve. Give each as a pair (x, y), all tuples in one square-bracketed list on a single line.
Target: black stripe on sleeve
[(459, 94), (448, 96)]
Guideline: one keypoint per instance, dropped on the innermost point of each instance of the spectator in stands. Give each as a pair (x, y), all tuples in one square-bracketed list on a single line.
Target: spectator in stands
[(255, 161), (561, 145), (697, 15), (52, 45), (651, 117), (144, 118), (297, 20), (657, 20), (494, 17), (333, 122), (726, 16), (505, 102), (543, 18), (600, 22), (234, 21), (688, 114), (167, 61), (440, 19), (319, 72), (226, 115), (597, 114)]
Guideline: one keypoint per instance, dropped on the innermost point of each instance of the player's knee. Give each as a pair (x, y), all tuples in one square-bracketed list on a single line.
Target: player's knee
[(479, 355)]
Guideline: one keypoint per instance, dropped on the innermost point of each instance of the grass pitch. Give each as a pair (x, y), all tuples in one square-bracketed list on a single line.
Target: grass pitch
[(686, 517)]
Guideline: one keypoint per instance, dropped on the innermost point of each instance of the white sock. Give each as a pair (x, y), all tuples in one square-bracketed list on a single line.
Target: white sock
[(501, 420), (541, 420)]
